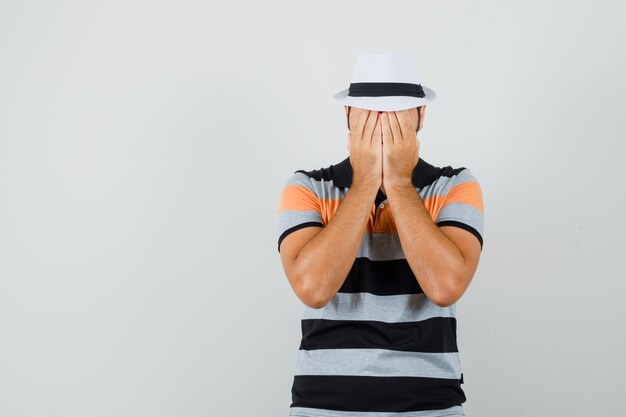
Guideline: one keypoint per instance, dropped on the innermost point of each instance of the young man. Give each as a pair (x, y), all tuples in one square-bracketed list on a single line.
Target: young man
[(379, 247)]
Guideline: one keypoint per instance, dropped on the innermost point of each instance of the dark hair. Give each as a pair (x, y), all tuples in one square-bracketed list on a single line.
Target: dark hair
[(418, 117)]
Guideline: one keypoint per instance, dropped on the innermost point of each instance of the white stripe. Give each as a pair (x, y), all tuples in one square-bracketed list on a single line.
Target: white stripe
[(385, 308), (378, 362), (454, 411)]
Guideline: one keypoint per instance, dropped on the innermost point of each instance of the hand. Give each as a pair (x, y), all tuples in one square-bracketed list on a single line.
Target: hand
[(400, 147), (365, 147)]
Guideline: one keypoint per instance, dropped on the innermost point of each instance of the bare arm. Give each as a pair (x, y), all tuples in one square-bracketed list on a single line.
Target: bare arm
[(323, 263), (443, 261), (318, 262), (434, 259)]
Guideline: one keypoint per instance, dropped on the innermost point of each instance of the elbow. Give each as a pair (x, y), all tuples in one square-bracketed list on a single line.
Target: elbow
[(452, 285), (315, 303), (444, 302), (446, 297), (312, 299), (310, 294)]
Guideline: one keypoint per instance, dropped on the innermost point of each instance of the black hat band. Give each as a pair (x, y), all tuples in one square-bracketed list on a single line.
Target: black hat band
[(385, 89)]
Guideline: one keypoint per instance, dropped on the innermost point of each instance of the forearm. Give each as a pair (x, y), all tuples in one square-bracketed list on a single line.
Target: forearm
[(431, 255), (329, 256)]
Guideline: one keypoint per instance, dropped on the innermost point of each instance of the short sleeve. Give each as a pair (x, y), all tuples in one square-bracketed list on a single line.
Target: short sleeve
[(463, 205), (299, 206)]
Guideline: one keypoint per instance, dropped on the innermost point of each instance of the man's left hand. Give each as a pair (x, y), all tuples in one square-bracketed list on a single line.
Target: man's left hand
[(400, 147)]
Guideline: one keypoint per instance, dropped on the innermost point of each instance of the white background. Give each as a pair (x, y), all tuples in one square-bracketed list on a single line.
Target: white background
[(143, 147)]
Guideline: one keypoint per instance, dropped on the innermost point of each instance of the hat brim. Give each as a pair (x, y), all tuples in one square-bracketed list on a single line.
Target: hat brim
[(385, 103)]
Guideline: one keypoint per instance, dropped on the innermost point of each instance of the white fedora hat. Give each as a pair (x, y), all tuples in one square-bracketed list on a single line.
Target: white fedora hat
[(385, 82)]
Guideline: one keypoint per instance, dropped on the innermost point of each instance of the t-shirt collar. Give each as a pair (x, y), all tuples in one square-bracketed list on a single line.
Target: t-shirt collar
[(423, 173)]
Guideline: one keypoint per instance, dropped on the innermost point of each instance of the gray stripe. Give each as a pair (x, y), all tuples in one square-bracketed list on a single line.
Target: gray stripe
[(374, 247), (290, 218), (463, 176), (454, 411), (328, 190), (378, 362), (463, 213), (385, 308)]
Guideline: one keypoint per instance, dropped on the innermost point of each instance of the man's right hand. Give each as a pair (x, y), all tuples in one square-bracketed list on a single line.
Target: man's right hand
[(317, 260), (365, 147)]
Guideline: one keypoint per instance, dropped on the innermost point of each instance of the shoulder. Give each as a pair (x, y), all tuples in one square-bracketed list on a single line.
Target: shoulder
[(463, 187), (315, 179), (456, 175), (298, 178), (465, 174)]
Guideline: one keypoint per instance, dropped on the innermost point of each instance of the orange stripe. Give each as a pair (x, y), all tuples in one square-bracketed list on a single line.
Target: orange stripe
[(468, 193), (298, 197), (384, 221)]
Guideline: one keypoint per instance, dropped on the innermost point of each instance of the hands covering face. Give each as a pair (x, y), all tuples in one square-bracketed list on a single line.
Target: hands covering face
[(383, 145), (400, 146)]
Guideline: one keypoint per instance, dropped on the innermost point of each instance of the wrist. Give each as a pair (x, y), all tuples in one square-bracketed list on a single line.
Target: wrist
[(399, 184), (370, 187)]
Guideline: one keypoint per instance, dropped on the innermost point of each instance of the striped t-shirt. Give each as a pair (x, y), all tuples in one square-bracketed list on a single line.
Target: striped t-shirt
[(379, 345)]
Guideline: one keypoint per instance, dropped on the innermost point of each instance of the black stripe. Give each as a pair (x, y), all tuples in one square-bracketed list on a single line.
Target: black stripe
[(385, 89), (391, 277), (436, 335), (341, 173), (463, 226), (297, 227), (375, 394)]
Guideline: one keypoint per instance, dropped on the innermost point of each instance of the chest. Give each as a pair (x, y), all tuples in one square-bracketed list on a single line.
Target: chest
[(380, 219)]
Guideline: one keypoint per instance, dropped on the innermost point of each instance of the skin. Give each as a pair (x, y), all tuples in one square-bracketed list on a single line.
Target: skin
[(408, 117), (383, 152)]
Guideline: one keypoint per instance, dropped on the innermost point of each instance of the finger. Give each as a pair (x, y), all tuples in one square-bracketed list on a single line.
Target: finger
[(370, 125), (405, 121), (387, 136), (360, 121), (357, 125), (376, 134), (395, 126)]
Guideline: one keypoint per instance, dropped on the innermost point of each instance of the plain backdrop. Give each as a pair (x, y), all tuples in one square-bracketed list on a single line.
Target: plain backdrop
[(143, 147)]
